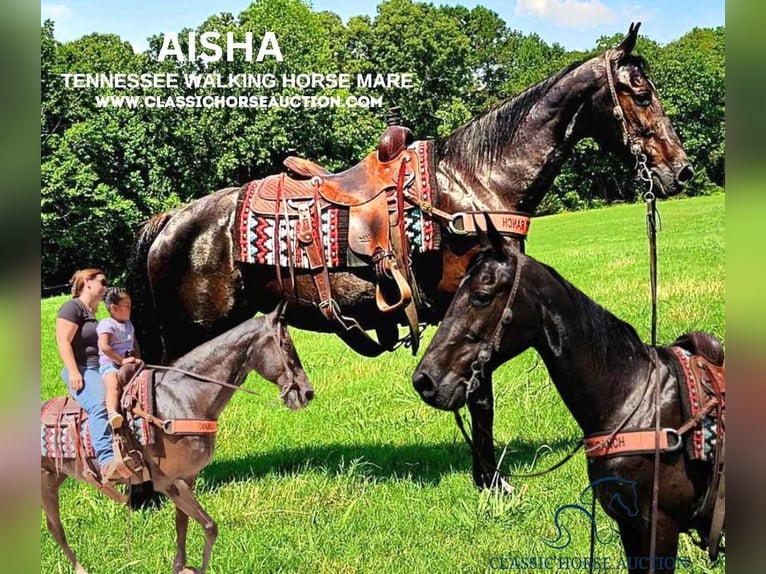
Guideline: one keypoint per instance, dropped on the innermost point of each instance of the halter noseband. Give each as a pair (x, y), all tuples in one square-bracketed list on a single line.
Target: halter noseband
[(485, 353)]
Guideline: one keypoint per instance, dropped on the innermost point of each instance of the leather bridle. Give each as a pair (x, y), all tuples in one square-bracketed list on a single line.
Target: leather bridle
[(493, 343)]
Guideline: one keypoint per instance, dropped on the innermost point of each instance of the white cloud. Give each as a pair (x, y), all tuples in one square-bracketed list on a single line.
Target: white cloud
[(56, 12), (568, 13)]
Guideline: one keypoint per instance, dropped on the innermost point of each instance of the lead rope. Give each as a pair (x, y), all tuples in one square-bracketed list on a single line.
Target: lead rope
[(651, 229)]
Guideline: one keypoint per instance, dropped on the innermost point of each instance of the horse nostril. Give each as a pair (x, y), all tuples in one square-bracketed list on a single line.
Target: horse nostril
[(685, 174), (423, 384)]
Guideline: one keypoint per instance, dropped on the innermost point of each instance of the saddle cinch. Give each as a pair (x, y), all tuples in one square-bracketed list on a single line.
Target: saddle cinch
[(373, 194)]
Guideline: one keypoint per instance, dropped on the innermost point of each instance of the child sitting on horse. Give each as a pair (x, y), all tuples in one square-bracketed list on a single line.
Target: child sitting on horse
[(117, 346)]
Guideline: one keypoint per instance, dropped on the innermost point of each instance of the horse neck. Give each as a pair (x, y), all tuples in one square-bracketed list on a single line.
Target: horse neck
[(508, 157), (226, 358), (597, 361)]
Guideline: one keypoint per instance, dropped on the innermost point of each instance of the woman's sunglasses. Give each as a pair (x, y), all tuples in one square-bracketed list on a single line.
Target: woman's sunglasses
[(102, 281)]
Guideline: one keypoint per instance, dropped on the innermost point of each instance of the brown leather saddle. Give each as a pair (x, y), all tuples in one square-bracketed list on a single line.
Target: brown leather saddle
[(373, 192)]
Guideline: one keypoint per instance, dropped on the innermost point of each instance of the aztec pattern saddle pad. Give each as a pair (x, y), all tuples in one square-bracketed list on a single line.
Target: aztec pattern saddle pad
[(63, 427), (700, 382), (257, 225), (62, 420)]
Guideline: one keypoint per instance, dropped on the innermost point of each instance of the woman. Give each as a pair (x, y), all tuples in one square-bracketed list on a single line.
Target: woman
[(77, 342)]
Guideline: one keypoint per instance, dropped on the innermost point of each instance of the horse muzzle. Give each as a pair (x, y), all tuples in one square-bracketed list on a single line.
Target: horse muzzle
[(671, 181), (449, 395)]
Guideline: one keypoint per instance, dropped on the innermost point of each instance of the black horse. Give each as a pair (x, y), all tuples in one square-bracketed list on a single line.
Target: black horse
[(188, 285), (607, 378)]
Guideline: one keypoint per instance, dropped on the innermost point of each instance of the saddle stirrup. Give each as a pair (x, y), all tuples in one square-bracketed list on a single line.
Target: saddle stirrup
[(403, 289)]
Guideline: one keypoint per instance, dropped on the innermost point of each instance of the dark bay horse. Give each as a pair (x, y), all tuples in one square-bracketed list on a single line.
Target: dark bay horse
[(188, 285), (605, 375), (262, 345)]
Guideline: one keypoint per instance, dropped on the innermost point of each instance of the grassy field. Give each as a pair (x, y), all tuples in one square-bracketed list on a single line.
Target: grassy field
[(370, 479)]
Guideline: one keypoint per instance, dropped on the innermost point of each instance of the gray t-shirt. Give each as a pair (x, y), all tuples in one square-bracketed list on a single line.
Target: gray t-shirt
[(120, 338), (85, 340)]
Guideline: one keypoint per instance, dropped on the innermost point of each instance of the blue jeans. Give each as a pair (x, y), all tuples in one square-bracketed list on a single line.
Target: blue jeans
[(92, 399)]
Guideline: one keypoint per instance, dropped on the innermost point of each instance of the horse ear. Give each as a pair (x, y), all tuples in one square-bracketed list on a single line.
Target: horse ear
[(495, 239), (484, 241), (626, 46), (277, 314)]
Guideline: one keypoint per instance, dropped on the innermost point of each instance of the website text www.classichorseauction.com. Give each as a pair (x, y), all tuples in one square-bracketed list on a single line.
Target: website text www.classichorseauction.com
[(264, 83)]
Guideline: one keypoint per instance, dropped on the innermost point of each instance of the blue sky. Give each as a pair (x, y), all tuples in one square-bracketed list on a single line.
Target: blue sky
[(575, 24)]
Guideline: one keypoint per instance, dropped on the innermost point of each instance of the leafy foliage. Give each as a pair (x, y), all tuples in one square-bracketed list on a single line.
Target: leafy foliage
[(105, 170)]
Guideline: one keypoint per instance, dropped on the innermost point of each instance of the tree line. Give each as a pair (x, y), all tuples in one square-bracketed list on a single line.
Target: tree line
[(106, 170)]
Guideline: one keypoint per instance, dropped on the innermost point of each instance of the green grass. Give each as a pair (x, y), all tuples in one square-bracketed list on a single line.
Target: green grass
[(370, 479)]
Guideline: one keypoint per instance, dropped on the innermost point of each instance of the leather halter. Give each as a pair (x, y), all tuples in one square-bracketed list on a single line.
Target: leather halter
[(485, 353), (617, 110)]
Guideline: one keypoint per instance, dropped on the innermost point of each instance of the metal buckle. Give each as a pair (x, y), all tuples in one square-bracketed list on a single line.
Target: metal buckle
[(451, 225), (167, 427), (678, 440)]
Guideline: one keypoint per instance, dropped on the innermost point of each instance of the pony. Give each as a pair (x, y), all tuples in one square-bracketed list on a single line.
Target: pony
[(189, 392), (188, 285), (610, 381)]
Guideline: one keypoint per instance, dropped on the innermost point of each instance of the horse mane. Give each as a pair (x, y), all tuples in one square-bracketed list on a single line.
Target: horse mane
[(482, 139), (611, 338)]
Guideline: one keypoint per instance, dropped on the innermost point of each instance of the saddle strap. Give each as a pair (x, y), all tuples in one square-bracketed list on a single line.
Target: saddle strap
[(719, 509), (506, 222), (179, 426), (631, 442), (277, 236), (88, 472), (462, 223)]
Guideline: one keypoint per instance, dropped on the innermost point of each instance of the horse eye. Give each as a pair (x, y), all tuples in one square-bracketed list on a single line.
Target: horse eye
[(480, 298), (643, 99)]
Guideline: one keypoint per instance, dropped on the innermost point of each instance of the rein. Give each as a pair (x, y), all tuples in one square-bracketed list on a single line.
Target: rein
[(193, 375), (589, 448), (651, 227)]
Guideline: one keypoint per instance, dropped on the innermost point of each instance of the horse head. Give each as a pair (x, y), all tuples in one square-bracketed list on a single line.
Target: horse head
[(474, 337), (276, 356), (640, 127)]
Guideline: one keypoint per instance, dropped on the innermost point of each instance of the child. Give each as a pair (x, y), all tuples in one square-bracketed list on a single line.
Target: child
[(117, 346)]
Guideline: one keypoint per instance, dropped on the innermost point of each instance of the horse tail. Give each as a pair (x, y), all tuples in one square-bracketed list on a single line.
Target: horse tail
[(144, 318), (143, 314)]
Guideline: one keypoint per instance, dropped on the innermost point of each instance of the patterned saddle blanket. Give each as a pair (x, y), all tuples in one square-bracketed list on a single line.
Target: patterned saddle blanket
[(701, 362), (64, 424), (345, 209)]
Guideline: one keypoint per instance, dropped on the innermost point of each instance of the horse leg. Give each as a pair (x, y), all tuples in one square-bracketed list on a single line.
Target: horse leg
[(481, 407), (667, 544), (182, 496), (636, 542), (50, 482), (182, 525)]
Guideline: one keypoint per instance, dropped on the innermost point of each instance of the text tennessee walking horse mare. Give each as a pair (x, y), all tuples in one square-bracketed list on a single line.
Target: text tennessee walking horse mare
[(608, 379), (174, 460), (190, 282)]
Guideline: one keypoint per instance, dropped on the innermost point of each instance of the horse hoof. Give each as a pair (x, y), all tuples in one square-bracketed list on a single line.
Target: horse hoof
[(188, 570)]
